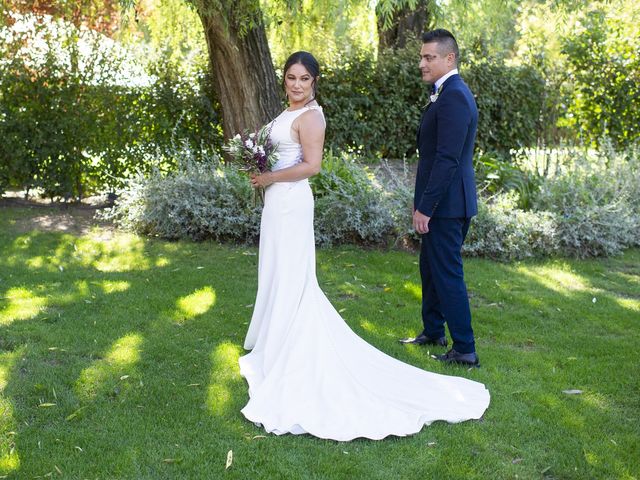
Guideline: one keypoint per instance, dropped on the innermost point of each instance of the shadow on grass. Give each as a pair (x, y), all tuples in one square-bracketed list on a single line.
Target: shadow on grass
[(119, 359)]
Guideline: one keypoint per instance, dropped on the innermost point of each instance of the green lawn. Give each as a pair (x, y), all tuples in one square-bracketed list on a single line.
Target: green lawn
[(118, 359)]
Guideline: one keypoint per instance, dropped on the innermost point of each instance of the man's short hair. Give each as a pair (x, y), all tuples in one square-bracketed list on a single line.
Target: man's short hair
[(445, 40)]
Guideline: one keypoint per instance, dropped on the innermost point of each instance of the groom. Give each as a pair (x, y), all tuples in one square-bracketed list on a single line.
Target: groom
[(445, 198)]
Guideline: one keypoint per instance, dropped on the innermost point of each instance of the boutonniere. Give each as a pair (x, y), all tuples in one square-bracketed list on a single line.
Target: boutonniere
[(433, 98)]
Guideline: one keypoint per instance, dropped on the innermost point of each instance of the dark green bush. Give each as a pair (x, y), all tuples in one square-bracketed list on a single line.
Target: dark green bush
[(603, 84), (373, 108), (510, 102), (70, 129)]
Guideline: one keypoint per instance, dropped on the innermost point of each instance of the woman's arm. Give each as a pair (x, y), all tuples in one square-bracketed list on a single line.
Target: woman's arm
[(311, 128)]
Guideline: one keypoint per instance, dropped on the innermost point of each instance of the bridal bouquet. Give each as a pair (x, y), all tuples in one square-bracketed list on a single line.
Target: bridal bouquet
[(253, 152)]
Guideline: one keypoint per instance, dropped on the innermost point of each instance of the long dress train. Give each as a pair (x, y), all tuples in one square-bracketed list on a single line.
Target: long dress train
[(307, 371)]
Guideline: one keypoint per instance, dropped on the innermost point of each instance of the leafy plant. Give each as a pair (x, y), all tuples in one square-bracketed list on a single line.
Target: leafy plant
[(350, 206), (201, 199), (603, 61)]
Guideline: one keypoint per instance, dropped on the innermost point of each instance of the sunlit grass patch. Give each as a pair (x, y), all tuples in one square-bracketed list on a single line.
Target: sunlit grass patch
[(556, 277), (114, 286), (225, 374), (162, 262), (197, 303), (123, 253), (414, 289), (9, 459), (20, 303), (116, 365), (629, 303)]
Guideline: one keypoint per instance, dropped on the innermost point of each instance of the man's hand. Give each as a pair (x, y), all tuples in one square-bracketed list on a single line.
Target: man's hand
[(420, 222)]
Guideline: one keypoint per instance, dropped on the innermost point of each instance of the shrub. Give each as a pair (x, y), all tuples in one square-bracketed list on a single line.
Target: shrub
[(398, 183), (590, 207), (373, 107), (510, 101), (603, 86), (205, 199), (350, 207), (503, 231), (495, 175), (596, 201), (201, 199), (72, 119)]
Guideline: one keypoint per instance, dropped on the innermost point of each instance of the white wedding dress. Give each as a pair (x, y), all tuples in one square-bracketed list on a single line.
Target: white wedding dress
[(307, 371)]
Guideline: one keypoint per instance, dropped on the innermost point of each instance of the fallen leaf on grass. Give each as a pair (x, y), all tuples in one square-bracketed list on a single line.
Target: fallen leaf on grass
[(572, 392), (75, 414), (171, 460), (124, 377), (258, 436), (57, 469), (430, 444), (516, 460), (193, 385), (47, 405), (229, 459)]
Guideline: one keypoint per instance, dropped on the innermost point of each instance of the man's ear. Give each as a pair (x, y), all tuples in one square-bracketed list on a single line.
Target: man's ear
[(451, 57)]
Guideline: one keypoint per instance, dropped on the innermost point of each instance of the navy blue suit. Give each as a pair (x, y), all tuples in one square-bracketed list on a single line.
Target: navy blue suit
[(446, 191)]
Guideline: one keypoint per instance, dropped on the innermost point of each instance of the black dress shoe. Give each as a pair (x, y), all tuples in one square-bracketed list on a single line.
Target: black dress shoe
[(461, 358), (422, 339)]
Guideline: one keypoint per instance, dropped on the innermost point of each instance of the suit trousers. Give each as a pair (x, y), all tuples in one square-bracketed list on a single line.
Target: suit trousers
[(444, 292)]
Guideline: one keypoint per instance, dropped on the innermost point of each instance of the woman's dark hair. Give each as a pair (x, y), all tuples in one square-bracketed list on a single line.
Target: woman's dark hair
[(308, 61)]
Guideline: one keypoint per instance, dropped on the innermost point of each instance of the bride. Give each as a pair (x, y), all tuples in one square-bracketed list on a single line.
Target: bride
[(307, 371)]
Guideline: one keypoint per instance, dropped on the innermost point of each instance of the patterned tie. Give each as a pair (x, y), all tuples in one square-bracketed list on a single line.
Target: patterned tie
[(433, 89)]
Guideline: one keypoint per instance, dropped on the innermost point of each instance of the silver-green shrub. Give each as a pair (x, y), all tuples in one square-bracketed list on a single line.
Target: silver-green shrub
[(503, 231), (596, 201), (199, 200), (351, 207), (588, 206)]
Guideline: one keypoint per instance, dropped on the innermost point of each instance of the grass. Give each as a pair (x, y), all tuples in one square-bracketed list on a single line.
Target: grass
[(118, 359)]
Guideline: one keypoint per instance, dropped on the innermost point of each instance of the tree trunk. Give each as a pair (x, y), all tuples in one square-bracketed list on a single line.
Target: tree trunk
[(243, 75), (407, 24)]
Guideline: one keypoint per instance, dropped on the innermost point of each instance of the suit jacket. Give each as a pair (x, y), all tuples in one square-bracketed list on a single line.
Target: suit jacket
[(445, 182)]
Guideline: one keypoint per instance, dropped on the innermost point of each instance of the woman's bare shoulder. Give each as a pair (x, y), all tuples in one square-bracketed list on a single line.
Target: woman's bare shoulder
[(313, 117)]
